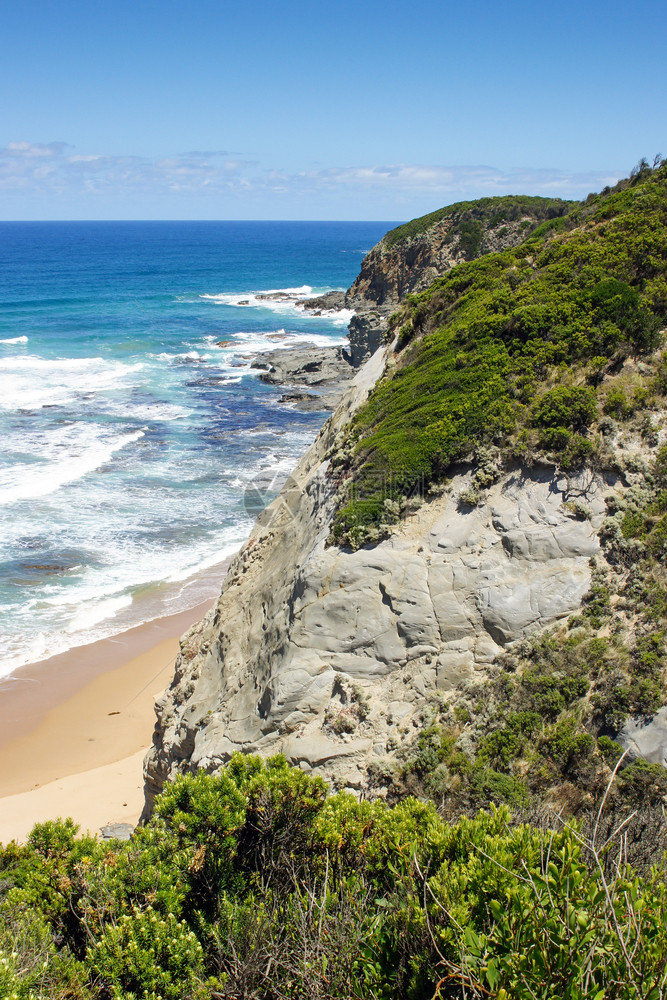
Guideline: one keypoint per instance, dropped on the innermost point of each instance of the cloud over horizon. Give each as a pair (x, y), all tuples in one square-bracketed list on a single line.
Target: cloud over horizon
[(55, 171)]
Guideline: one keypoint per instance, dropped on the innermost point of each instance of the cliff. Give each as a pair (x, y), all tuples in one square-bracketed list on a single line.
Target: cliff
[(458, 591), (407, 259), (319, 653)]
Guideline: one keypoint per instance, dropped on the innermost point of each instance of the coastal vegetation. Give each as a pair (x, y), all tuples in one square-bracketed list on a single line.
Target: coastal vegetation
[(257, 883), (548, 354), (520, 351), (469, 219)]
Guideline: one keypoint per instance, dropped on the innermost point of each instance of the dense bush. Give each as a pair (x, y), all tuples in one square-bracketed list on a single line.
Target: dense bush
[(329, 897), (565, 406), (146, 955)]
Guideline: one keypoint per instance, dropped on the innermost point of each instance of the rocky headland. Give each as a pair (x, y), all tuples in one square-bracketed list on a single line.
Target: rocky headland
[(370, 624), (405, 261), (326, 655)]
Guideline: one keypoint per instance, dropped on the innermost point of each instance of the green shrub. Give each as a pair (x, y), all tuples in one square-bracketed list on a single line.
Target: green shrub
[(349, 898), (616, 404), (470, 238), (148, 957), (487, 211), (610, 750), (565, 406), (565, 743), (535, 920), (204, 813), (660, 467), (642, 783)]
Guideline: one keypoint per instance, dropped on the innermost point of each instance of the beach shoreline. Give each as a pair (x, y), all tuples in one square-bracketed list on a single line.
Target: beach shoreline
[(74, 728)]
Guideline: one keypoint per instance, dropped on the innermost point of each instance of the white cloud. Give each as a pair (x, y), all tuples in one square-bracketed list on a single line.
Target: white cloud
[(56, 172), (444, 180), (22, 165), (29, 150)]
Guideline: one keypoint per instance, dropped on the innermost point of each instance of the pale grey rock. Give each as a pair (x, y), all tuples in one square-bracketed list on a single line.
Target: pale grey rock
[(326, 371), (116, 831), (646, 738), (308, 365), (316, 749), (300, 623)]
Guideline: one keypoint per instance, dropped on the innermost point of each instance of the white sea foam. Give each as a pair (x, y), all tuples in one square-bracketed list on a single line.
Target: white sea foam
[(341, 317), (229, 342), (84, 452), (145, 411), (15, 340), (131, 567), (248, 341), (164, 412), (286, 301), (183, 356), (103, 605), (18, 652), (29, 382), (204, 562), (103, 600), (282, 300), (98, 611), (267, 299)]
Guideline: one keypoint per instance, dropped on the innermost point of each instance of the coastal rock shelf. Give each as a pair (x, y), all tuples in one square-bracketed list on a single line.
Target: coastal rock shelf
[(325, 371), (318, 652)]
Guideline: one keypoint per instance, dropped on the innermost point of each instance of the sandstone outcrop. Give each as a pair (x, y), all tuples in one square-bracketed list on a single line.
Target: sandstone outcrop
[(320, 653), (402, 264), (646, 738)]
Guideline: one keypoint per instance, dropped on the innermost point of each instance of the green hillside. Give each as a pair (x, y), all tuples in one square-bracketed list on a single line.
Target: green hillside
[(511, 351), (549, 354), (469, 219)]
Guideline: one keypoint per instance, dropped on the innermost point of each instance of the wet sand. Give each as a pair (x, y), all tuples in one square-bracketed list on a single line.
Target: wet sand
[(74, 728)]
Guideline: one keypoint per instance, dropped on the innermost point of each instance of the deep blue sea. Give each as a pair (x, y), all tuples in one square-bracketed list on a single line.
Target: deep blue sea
[(130, 437)]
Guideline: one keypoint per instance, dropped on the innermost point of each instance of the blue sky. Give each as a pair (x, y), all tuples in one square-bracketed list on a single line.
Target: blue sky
[(290, 110)]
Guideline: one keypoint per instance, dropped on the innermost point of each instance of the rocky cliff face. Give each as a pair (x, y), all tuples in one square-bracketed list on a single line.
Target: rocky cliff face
[(408, 259), (429, 655), (396, 268), (321, 653)]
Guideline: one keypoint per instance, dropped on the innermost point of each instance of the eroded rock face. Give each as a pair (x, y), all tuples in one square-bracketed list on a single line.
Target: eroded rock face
[(319, 653), (326, 370), (389, 272)]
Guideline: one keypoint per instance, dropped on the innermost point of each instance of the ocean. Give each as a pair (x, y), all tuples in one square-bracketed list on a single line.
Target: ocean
[(136, 434)]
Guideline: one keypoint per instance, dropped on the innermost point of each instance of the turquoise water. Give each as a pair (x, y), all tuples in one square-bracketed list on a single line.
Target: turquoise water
[(130, 436)]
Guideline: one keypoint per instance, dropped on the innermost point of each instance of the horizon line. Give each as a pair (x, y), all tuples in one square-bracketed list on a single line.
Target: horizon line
[(41, 221)]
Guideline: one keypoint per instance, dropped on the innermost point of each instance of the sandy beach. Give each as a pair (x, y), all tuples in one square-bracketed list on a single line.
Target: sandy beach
[(74, 728)]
